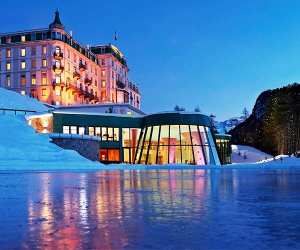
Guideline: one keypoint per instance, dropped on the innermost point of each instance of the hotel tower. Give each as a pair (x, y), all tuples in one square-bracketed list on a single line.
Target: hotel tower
[(48, 64)]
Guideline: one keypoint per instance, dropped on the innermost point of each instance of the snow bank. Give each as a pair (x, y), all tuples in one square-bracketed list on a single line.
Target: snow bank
[(23, 149), (247, 154), (12, 100)]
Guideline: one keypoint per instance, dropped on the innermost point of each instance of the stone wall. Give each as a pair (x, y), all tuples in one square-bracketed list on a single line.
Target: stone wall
[(87, 148)]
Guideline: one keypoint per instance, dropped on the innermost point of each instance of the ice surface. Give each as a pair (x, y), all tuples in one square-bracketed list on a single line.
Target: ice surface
[(166, 209)]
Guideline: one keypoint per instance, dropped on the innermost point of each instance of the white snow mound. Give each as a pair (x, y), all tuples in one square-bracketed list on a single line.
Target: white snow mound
[(13, 100), (247, 154)]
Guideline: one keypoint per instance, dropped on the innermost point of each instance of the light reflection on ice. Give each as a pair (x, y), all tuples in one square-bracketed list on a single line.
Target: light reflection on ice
[(169, 209)]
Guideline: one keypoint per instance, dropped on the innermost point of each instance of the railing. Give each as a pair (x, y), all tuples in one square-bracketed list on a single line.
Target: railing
[(16, 111), (74, 136)]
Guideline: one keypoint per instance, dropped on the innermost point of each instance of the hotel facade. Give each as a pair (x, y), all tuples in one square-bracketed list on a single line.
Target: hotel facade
[(50, 65)]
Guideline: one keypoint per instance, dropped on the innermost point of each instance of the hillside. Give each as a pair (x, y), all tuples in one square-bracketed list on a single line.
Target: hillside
[(23, 149), (247, 154), (274, 125)]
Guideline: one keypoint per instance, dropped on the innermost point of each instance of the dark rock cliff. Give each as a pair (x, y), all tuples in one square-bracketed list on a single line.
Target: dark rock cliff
[(274, 125)]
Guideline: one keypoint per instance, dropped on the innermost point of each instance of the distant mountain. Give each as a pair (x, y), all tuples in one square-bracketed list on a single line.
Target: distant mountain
[(274, 125)]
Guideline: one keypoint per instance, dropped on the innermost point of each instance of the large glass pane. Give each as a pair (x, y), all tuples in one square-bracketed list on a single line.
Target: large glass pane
[(81, 130), (126, 155), (199, 155), (174, 154), (125, 137), (209, 156), (164, 135), (104, 134), (139, 149), (203, 135), (114, 155), (162, 155), (195, 135), (116, 134), (153, 146), (185, 135), (187, 155), (174, 135), (66, 130), (134, 136), (154, 138), (91, 131), (110, 134), (133, 152), (152, 154), (73, 130), (98, 131), (146, 145)]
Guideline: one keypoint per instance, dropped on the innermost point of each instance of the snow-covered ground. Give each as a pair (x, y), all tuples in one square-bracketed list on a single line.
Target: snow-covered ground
[(21, 148), (12, 100), (247, 154)]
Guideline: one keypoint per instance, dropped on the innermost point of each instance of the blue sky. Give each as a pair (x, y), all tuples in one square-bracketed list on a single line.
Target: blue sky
[(218, 55)]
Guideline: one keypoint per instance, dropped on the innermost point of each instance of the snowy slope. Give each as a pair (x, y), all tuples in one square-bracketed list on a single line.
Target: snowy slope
[(21, 148), (12, 100), (247, 154)]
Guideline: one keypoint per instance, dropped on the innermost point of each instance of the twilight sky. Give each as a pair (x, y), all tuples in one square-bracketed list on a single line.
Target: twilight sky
[(218, 54)]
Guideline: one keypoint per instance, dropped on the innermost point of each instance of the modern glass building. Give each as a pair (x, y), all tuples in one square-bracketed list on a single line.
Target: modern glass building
[(123, 134)]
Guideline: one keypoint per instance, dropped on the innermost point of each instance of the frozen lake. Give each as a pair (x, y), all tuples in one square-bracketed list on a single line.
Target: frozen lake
[(167, 209)]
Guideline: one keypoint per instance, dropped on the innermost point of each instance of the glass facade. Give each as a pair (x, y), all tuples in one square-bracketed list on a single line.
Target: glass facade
[(130, 138), (173, 144)]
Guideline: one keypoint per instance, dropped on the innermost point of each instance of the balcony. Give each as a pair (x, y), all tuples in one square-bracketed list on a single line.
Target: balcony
[(58, 69), (76, 75), (58, 55), (88, 81), (82, 67), (120, 85), (55, 84)]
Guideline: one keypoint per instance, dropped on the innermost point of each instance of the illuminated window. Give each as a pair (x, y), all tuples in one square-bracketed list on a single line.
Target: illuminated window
[(98, 131), (44, 50), (23, 80), (44, 63), (103, 83), (44, 78), (57, 92), (110, 134), (57, 79), (23, 52), (57, 50), (8, 66), (103, 73), (23, 38), (66, 130), (116, 134), (8, 53), (33, 79), (23, 65), (81, 130), (104, 134), (73, 130), (91, 131), (23, 92), (8, 82), (44, 92)]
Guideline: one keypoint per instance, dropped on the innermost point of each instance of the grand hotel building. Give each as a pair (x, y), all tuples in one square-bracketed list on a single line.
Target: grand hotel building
[(48, 64)]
